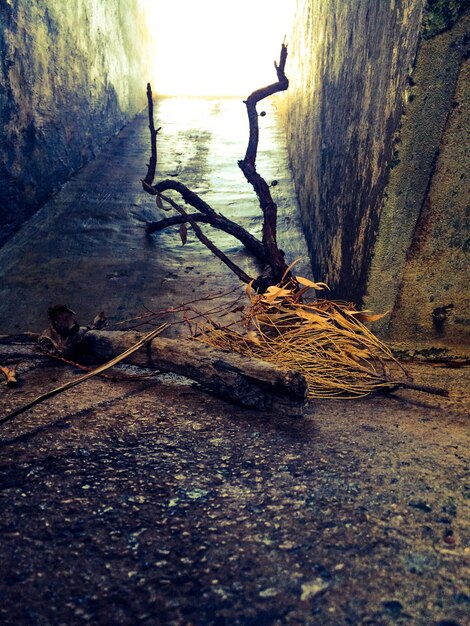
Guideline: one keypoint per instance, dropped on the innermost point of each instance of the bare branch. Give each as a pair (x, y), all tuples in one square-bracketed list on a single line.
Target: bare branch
[(188, 196), (266, 251), (207, 242), (216, 220), (152, 165), (251, 102), (275, 257)]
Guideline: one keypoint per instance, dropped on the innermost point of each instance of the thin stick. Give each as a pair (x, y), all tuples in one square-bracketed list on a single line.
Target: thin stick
[(74, 383), (115, 377), (152, 166), (437, 391)]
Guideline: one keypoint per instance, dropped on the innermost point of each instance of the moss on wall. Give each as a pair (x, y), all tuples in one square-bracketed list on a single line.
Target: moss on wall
[(440, 15)]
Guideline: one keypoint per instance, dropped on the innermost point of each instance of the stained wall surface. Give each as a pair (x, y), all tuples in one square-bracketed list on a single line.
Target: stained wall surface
[(348, 67), (71, 74), (379, 149), (419, 269)]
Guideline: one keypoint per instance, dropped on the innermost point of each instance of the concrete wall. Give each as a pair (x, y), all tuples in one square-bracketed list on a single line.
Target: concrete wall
[(419, 269), (372, 101), (71, 74)]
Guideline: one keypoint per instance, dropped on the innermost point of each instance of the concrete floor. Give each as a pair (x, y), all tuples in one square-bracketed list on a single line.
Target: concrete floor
[(153, 502), (157, 503), (87, 247)]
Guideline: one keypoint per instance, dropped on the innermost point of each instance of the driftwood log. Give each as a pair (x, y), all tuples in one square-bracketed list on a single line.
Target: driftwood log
[(244, 380)]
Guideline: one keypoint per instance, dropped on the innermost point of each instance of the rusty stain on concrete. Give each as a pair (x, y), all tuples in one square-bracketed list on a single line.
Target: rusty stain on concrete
[(434, 276)]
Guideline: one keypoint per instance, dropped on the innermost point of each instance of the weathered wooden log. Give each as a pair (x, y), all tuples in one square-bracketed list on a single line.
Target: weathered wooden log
[(244, 380)]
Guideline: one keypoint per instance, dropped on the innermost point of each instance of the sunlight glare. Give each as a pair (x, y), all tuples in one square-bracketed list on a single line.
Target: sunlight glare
[(212, 47)]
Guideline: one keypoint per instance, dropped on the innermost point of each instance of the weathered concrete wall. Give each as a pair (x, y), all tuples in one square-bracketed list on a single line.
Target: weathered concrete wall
[(420, 262), (348, 68), (71, 74), (372, 85)]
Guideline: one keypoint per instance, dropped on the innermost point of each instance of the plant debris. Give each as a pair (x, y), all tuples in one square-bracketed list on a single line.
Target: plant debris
[(266, 250), (326, 341), (10, 375), (73, 383)]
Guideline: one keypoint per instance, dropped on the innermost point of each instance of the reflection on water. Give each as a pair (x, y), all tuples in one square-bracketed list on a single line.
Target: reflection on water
[(87, 247), (211, 135)]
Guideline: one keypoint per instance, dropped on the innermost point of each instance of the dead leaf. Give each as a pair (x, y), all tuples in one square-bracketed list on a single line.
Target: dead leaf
[(253, 337), (365, 316), (183, 233), (312, 317), (273, 293), (99, 321), (310, 283), (10, 376), (289, 268), (63, 320)]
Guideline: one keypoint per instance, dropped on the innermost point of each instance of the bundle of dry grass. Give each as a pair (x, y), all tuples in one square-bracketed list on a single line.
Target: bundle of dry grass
[(326, 341)]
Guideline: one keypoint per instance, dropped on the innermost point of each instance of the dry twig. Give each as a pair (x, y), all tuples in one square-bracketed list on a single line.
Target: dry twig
[(73, 383), (265, 251)]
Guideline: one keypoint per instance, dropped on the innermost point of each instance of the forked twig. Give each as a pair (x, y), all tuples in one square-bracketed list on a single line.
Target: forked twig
[(265, 251), (275, 257)]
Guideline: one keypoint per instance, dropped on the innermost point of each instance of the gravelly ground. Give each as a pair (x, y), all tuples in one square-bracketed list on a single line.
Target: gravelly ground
[(156, 503)]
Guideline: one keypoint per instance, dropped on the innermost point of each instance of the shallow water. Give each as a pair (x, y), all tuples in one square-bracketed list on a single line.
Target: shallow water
[(87, 247)]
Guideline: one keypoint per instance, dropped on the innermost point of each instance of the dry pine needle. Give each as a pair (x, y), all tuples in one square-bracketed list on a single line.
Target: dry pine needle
[(328, 342)]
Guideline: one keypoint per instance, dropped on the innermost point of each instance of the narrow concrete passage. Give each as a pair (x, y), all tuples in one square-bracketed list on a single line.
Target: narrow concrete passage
[(87, 247), (155, 503)]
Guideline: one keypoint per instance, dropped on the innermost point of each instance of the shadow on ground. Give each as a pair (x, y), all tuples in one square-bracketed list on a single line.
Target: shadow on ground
[(123, 505)]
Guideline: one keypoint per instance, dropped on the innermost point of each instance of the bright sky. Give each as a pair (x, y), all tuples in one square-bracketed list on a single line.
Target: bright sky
[(217, 47)]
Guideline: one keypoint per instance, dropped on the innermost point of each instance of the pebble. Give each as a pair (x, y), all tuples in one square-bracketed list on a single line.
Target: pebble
[(312, 588)]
